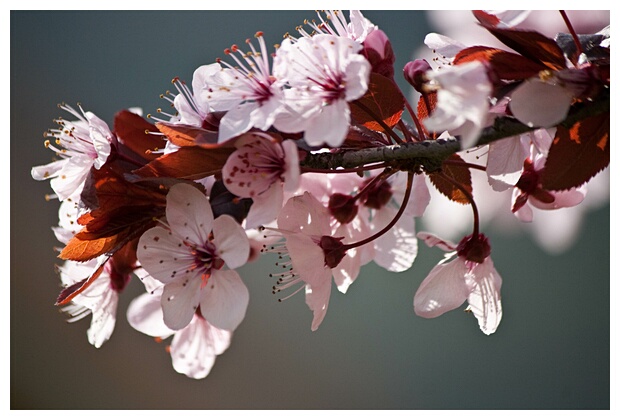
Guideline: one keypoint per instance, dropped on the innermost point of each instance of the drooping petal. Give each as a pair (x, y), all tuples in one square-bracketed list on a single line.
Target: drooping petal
[(347, 270), (224, 300), (329, 125), (265, 207), (317, 299), (308, 259), (397, 249), (179, 301), (71, 179), (193, 349), (189, 213), (145, 314), (231, 241), (304, 214), (292, 172), (432, 240), (442, 290), (484, 299)]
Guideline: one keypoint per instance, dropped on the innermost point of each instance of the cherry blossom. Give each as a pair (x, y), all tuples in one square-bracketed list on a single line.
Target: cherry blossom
[(100, 299), (194, 347), (357, 29), (470, 276), (462, 101), (324, 73), (260, 169), (315, 256), (248, 93), (188, 256), (81, 145)]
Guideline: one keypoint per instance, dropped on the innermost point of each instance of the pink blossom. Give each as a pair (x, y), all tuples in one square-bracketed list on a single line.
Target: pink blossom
[(315, 255), (469, 276), (462, 101), (324, 73), (189, 255), (81, 145), (249, 94), (336, 24), (260, 169), (194, 347)]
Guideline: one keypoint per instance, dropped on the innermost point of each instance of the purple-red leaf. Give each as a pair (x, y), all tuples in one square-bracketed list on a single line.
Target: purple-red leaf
[(132, 130), (383, 101), (454, 169), (192, 163), (532, 45), (577, 154), (505, 65)]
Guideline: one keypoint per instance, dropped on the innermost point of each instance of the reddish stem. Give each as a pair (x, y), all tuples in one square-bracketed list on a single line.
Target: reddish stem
[(469, 197), (572, 32)]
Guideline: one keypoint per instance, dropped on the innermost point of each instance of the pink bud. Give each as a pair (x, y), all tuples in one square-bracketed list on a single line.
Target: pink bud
[(414, 72), (378, 51)]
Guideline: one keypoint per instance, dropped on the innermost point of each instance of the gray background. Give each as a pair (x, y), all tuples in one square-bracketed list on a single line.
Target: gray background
[(550, 351)]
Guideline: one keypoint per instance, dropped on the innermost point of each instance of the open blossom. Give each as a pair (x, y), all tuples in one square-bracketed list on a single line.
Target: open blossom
[(81, 145), (324, 73), (462, 101), (470, 276), (248, 92), (358, 27), (193, 349), (189, 258), (528, 192), (315, 255), (100, 298), (261, 169)]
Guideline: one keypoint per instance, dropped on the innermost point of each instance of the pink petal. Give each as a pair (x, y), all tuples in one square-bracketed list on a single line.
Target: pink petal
[(505, 163), (179, 302), (231, 241), (397, 249), (189, 213), (484, 299), (539, 104), (194, 348), (304, 214), (317, 299), (432, 240), (225, 300), (442, 290), (329, 125), (308, 259), (265, 207), (145, 315), (163, 254), (292, 172)]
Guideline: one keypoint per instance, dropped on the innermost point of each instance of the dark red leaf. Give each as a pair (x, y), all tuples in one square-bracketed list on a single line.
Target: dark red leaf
[(485, 18), (505, 65), (69, 292), (532, 45), (86, 249), (190, 163), (577, 154), (453, 168), (188, 135), (383, 101), (132, 130)]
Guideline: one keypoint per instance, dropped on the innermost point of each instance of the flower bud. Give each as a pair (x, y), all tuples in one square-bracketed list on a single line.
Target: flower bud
[(342, 207), (378, 51), (414, 72)]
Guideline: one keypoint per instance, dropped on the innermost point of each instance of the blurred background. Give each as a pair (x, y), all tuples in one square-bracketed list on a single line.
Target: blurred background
[(551, 351)]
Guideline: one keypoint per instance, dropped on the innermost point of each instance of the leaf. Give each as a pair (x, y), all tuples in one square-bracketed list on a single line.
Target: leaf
[(577, 153), (193, 162), (86, 249), (532, 45), (187, 135), (453, 169), (132, 129), (505, 65), (485, 18), (383, 100)]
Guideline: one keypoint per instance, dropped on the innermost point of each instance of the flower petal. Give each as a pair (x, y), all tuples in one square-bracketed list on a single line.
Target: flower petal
[(225, 300), (179, 302), (145, 315), (484, 299), (194, 348), (317, 299), (162, 254), (231, 241), (189, 213), (539, 104), (442, 290)]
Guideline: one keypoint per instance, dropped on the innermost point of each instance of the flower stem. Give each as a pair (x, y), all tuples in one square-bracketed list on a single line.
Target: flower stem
[(572, 32), (389, 226), (469, 198)]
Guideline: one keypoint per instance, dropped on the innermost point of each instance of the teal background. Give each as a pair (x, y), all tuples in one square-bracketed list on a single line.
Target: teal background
[(551, 350)]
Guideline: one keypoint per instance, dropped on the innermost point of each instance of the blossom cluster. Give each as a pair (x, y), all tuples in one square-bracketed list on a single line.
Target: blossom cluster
[(312, 153)]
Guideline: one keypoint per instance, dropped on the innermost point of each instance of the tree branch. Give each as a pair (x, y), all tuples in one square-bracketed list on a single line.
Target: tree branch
[(431, 153)]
